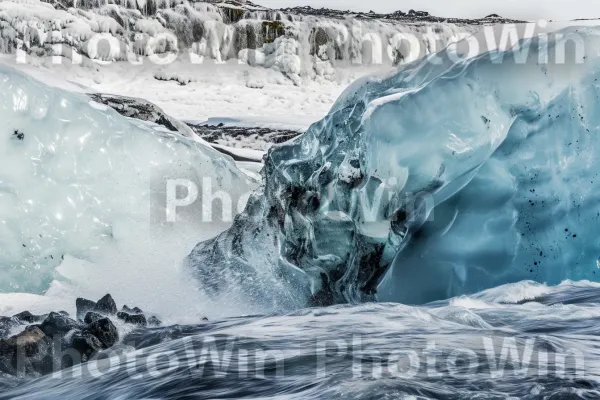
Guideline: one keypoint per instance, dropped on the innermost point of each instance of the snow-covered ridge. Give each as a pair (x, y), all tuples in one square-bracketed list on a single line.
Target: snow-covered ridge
[(411, 16), (298, 42)]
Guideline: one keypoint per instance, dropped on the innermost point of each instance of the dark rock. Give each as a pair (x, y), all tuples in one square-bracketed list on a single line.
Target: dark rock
[(134, 310), (105, 331), (135, 319), (59, 341), (262, 138), (28, 318), (399, 16), (83, 307), (86, 344), (92, 317), (58, 324), (141, 109), (6, 325), (106, 305), (27, 353)]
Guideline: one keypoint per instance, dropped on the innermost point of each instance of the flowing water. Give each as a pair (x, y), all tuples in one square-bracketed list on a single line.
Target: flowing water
[(522, 340)]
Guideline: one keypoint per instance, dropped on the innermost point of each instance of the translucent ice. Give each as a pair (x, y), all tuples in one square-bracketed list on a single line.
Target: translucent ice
[(77, 178), (447, 177)]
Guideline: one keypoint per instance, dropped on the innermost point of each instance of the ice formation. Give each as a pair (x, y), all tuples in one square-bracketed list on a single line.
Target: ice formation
[(77, 178), (295, 42), (445, 178)]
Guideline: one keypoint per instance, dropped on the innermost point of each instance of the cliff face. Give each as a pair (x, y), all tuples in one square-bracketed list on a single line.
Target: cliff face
[(299, 42)]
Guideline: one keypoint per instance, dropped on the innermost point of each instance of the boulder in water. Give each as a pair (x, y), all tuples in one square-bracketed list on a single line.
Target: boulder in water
[(104, 330), (106, 305), (6, 325), (29, 352), (58, 324), (26, 317), (134, 310), (86, 344), (92, 317), (134, 319), (84, 306)]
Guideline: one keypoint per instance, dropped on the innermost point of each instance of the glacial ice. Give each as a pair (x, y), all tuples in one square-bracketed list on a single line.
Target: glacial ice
[(77, 178), (442, 179)]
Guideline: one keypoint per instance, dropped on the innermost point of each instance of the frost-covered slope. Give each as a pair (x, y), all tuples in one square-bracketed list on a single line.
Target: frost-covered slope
[(444, 178), (299, 42)]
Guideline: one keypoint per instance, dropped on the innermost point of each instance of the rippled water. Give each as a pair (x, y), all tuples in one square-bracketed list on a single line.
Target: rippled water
[(522, 340)]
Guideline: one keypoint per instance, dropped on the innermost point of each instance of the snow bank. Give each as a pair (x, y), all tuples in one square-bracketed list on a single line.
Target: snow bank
[(296, 45)]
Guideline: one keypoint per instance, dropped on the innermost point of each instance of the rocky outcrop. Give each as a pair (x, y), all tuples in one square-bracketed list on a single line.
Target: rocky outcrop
[(106, 305), (140, 109), (104, 330), (215, 135), (254, 138), (412, 16), (34, 345), (84, 306), (29, 353), (134, 319), (28, 318), (58, 324)]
